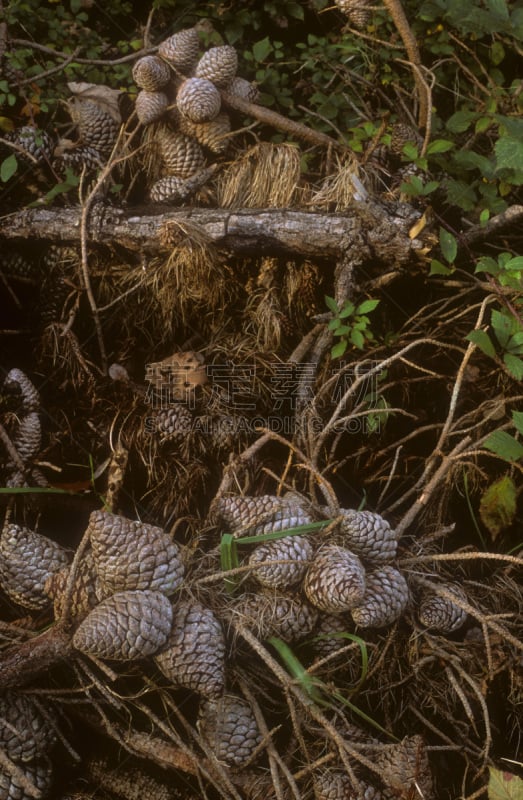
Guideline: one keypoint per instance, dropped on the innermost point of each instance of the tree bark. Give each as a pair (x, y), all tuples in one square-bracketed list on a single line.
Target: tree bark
[(243, 231)]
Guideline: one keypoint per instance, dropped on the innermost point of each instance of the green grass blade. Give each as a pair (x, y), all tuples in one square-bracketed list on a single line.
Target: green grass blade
[(311, 686), (299, 529), (229, 560)]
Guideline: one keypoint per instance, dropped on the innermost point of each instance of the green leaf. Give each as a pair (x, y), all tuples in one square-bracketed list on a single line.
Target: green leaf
[(8, 168), (229, 560), (347, 310), (461, 194), (334, 324), (497, 53), (261, 49), (299, 530), (504, 445), (487, 264), (294, 666), (367, 306), (448, 245), (339, 349), (437, 268), (517, 419), (504, 785), (439, 146), (331, 304), (294, 10), (483, 124), (482, 340), (509, 155), (461, 121), (357, 339), (342, 330), (514, 366), (503, 326), (497, 507)]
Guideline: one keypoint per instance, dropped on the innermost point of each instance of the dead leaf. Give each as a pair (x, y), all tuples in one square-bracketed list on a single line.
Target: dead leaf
[(504, 785), (497, 507)]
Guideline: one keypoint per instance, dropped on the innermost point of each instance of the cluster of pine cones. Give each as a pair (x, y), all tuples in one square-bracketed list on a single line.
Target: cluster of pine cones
[(180, 96)]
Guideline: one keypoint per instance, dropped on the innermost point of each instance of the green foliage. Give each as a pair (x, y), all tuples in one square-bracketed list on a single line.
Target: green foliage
[(497, 507), (350, 324), (504, 785)]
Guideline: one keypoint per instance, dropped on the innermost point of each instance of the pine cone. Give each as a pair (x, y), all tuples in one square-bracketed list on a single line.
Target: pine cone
[(332, 784), (356, 10), (368, 535), (96, 127), (17, 265), (174, 424), (405, 768), (219, 65), (28, 439), (39, 773), (17, 379), (150, 106), (86, 590), (440, 613), (215, 135), (402, 134), (27, 559), (335, 581), (175, 190), (181, 155), (296, 549), (181, 49), (25, 734), (151, 73), (34, 141), (253, 516), (239, 87), (82, 157), (198, 99), (229, 726), (287, 617), (326, 642), (127, 625), (385, 599), (133, 555), (194, 656)]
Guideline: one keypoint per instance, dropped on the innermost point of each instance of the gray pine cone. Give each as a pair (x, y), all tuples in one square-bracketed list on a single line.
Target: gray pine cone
[(96, 127), (25, 733), (175, 190), (441, 613), (151, 73), (335, 581), (34, 141), (150, 106), (405, 768), (174, 424), (326, 641), (219, 65), (198, 99), (194, 656), (214, 135), (239, 87), (181, 49), (385, 599), (27, 559), (332, 784), (38, 772), (82, 157), (252, 516), (133, 555), (368, 535), (181, 155), (357, 11), (229, 726), (126, 626), (295, 549), (16, 379), (86, 589)]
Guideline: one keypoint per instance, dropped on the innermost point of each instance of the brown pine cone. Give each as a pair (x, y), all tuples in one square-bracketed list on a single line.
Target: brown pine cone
[(126, 626), (150, 106), (287, 617), (332, 784), (181, 50), (229, 726), (441, 613), (133, 555), (215, 134), (405, 768), (402, 134), (194, 654), (38, 772), (174, 424), (96, 127), (151, 73), (219, 65), (181, 155), (86, 590), (28, 438), (326, 641), (198, 99), (253, 516), (175, 190), (25, 734), (368, 535), (27, 559), (33, 141), (295, 549), (335, 581), (357, 11), (385, 598)]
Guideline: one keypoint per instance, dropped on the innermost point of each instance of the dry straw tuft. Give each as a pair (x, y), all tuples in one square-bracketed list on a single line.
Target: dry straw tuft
[(266, 175)]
